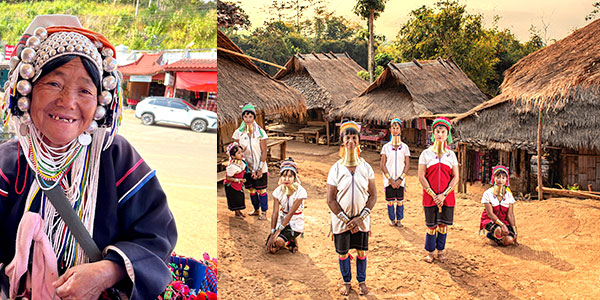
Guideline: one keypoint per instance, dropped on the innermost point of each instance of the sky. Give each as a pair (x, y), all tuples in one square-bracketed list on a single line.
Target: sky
[(560, 18)]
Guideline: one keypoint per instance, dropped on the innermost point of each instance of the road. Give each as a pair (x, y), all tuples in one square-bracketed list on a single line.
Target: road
[(185, 163)]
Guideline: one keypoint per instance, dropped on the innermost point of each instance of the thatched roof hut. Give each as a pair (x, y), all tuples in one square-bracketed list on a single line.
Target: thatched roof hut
[(240, 81), (419, 88), (326, 80), (563, 79)]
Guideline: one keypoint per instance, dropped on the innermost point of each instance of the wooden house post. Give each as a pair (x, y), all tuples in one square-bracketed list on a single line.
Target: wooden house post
[(327, 128), (539, 158), (462, 165)]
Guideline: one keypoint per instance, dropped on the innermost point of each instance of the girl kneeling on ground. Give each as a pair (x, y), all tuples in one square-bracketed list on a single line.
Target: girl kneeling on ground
[(498, 217), (287, 222)]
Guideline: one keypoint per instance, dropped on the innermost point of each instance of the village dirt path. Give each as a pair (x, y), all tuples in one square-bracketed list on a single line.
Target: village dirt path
[(557, 257)]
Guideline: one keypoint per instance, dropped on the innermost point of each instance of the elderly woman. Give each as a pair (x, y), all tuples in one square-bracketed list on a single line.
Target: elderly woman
[(63, 99), (351, 194), (253, 140)]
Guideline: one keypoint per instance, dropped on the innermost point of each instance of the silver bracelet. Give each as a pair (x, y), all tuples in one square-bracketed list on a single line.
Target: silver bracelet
[(343, 217), (365, 212), (272, 230)]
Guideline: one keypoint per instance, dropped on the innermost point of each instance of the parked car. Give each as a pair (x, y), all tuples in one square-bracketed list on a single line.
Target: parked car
[(175, 111)]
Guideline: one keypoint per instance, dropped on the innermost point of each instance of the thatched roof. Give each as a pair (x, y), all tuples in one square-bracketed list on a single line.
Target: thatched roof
[(327, 80), (504, 126), (240, 81), (415, 89), (564, 71), (564, 79)]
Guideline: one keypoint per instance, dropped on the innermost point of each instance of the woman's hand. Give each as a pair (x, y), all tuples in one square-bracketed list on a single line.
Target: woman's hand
[(272, 239), (441, 198), (353, 224), (504, 230), (259, 174), (87, 281)]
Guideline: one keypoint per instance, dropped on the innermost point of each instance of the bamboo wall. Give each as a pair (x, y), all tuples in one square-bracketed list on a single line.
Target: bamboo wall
[(581, 167)]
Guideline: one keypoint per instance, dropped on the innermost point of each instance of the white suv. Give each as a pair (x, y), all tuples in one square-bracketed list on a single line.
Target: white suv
[(175, 111)]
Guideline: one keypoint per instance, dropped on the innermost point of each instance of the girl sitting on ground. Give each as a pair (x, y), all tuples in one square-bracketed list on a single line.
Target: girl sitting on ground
[(234, 180), (498, 217), (287, 222)]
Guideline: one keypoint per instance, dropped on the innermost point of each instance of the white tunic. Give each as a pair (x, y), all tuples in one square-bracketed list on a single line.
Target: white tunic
[(352, 193), (252, 145), (394, 161), (287, 202), (233, 169), (429, 158), (489, 197)]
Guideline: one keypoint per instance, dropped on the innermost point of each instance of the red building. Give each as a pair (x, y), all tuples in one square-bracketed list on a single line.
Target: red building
[(194, 80), (144, 77)]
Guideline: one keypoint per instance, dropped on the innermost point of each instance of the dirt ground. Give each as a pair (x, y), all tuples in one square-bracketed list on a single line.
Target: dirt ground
[(185, 164), (556, 259)]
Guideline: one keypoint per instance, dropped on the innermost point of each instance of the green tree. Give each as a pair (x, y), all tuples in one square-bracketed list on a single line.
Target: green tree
[(382, 59), (448, 31), (164, 24), (594, 13), (276, 42), (370, 10), (231, 15)]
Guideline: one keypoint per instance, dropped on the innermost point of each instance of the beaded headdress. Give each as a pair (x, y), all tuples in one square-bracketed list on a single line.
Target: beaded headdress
[(249, 108), (48, 38), (347, 125), (443, 122), (396, 120), (500, 168), (288, 164)]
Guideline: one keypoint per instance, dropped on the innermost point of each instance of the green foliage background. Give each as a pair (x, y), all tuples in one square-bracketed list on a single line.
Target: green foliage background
[(444, 29), (164, 24)]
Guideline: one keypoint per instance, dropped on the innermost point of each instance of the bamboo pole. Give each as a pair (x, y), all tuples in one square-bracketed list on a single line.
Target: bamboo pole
[(569, 193), (250, 57), (539, 158), (433, 116)]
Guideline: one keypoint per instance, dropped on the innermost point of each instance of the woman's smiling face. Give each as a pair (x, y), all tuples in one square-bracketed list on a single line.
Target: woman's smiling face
[(63, 103)]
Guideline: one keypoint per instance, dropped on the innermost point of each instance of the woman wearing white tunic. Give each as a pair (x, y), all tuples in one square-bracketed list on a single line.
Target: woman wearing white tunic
[(253, 140), (351, 194), (395, 163), (287, 222)]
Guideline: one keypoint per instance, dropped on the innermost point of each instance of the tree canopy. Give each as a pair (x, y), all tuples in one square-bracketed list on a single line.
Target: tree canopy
[(159, 24), (445, 29), (277, 41)]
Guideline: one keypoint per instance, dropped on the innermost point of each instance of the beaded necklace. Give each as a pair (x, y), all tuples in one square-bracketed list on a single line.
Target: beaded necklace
[(75, 168)]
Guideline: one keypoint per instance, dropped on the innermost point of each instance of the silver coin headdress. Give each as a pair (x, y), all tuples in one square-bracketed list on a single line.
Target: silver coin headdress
[(42, 44)]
